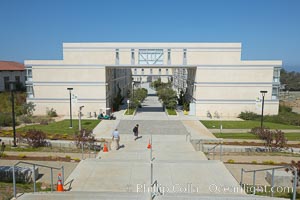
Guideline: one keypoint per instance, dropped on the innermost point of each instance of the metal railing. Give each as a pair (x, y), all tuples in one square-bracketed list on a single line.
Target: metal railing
[(272, 180), (34, 175), (188, 135), (213, 149)]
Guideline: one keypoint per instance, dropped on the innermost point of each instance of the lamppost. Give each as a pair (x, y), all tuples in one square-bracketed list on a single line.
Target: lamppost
[(70, 91), (12, 88), (263, 93), (79, 117)]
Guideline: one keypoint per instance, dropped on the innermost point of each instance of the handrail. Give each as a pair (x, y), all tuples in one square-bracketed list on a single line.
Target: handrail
[(34, 178), (188, 135), (214, 150), (294, 169), (156, 193)]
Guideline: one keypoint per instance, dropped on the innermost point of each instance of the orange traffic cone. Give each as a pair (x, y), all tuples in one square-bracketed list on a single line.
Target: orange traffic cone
[(149, 145), (60, 187), (105, 149)]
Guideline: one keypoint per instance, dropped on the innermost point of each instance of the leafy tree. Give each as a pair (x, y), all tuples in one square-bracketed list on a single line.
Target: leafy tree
[(168, 97), (290, 79), (28, 108)]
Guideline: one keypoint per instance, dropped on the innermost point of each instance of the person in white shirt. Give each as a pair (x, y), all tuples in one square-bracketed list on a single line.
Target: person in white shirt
[(116, 139)]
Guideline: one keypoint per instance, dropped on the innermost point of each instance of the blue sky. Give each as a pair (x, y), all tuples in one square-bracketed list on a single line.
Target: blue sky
[(36, 29)]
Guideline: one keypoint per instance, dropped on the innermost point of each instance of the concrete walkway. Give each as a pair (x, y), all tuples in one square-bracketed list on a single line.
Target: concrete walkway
[(180, 171)]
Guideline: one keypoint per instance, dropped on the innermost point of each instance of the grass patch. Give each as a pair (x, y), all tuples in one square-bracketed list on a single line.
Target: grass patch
[(62, 127), (6, 189), (250, 136), (245, 125), (171, 111), (129, 111)]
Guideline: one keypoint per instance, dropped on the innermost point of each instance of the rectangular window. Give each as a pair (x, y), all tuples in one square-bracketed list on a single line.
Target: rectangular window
[(159, 71), (6, 83), (151, 56), (276, 75), (167, 71), (151, 71), (135, 71), (29, 89), (142, 71), (117, 57), (17, 78), (184, 57), (275, 92), (132, 57), (169, 56)]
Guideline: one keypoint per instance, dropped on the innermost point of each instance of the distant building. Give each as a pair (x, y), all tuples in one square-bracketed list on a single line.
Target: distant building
[(11, 71), (213, 76)]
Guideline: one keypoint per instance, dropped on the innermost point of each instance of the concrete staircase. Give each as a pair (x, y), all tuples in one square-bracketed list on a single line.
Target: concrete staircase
[(180, 171)]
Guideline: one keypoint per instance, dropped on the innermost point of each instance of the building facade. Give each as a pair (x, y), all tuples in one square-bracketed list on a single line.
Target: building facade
[(11, 72), (212, 74)]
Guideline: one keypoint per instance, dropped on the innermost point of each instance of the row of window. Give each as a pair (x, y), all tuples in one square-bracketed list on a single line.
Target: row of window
[(150, 71), (150, 57)]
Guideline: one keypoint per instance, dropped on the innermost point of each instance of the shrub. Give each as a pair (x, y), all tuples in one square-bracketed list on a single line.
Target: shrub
[(268, 162), (22, 156), (231, 161), (68, 157), (3, 155), (25, 119), (51, 112), (254, 162), (77, 159), (5, 119), (247, 115), (35, 138)]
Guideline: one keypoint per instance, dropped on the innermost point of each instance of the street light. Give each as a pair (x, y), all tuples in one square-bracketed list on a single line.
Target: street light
[(79, 117), (263, 93), (70, 90), (12, 88)]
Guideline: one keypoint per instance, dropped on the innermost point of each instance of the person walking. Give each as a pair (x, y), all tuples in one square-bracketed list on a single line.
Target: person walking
[(116, 139), (136, 132)]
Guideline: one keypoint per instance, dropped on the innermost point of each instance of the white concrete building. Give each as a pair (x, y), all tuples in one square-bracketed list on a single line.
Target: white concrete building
[(216, 78)]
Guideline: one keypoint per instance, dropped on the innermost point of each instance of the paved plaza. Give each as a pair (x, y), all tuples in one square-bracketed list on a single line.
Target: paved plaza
[(179, 171)]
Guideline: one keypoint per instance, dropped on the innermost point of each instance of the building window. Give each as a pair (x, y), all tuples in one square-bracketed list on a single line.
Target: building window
[(167, 71), (275, 92), (132, 57), (184, 57), (151, 71), (6, 83), (135, 71), (151, 56), (117, 57), (142, 71), (159, 71), (29, 90), (276, 75), (169, 56), (17, 78)]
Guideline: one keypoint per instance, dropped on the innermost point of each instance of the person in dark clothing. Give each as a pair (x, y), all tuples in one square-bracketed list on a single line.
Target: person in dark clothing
[(136, 132)]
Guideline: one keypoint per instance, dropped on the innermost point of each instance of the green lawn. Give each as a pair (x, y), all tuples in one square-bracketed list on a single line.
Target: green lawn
[(246, 125), (171, 112), (129, 111), (249, 136), (62, 127)]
